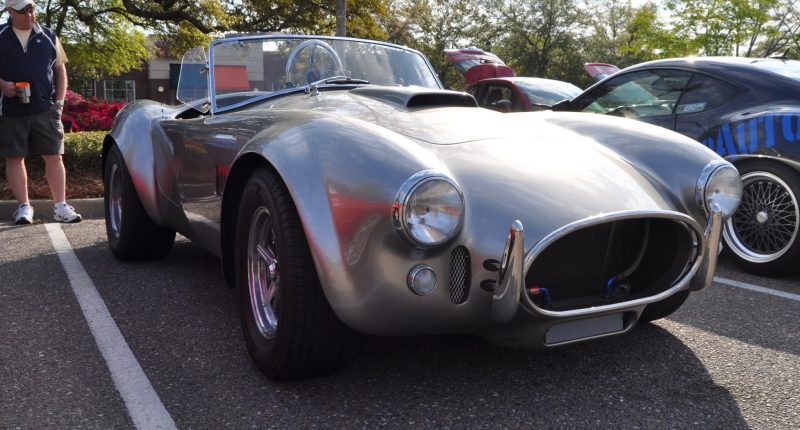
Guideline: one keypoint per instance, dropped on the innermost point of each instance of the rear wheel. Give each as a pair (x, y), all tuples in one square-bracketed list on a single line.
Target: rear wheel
[(290, 329), (132, 235), (762, 234)]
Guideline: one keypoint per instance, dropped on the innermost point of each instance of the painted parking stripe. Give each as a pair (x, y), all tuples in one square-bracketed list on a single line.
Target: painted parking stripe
[(751, 287), (144, 406)]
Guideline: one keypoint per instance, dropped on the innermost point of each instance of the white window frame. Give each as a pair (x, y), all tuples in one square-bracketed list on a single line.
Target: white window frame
[(130, 93)]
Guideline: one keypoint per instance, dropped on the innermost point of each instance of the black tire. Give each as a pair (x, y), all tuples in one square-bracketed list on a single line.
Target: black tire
[(664, 308), (132, 235), (309, 340), (762, 235)]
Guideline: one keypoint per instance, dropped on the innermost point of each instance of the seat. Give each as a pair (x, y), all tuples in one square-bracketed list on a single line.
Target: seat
[(494, 96)]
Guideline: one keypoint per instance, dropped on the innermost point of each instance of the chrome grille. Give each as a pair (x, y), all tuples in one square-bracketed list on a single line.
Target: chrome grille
[(459, 275), (651, 254)]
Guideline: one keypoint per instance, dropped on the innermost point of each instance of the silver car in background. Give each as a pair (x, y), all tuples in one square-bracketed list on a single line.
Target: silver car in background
[(346, 192)]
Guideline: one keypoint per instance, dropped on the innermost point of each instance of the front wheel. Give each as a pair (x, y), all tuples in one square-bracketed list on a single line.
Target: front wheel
[(132, 235), (290, 329), (762, 233)]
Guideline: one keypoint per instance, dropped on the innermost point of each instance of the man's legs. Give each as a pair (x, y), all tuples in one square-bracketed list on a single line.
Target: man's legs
[(56, 177), (57, 180), (17, 178)]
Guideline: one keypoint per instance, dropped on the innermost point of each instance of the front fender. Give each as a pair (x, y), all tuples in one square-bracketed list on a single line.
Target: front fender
[(137, 149), (343, 175)]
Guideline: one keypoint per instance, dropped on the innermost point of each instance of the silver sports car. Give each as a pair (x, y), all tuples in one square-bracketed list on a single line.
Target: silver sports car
[(346, 192)]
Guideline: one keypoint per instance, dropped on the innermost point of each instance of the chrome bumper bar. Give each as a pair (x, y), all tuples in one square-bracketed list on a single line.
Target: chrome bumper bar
[(511, 276)]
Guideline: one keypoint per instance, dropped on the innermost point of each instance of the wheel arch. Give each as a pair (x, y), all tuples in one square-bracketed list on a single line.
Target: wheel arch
[(743, 160), (234, 187)]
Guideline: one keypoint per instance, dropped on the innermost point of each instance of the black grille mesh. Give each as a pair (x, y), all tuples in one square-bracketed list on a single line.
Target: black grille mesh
[(459, 275)]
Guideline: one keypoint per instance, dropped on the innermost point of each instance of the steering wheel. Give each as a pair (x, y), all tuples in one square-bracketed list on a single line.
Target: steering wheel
[(624, 111), (310, 44)]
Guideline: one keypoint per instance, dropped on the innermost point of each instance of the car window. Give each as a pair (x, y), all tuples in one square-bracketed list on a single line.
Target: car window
[(493, 93), (547, 92), (705, 92), (639, 94)]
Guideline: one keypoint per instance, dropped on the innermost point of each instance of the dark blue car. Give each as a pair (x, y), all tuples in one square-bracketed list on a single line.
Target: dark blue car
[(745, 109)]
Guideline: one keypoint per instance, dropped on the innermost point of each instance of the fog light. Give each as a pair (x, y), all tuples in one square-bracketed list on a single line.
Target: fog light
[(421, 279)]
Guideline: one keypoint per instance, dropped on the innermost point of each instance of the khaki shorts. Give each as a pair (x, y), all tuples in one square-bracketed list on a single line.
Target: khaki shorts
[(40, 134)]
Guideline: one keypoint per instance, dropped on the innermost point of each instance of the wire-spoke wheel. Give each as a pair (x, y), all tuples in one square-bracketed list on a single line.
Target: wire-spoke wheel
[(290, 329), (762, 233)]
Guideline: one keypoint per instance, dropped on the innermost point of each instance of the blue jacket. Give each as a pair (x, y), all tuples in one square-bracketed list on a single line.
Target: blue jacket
[(34, 65)]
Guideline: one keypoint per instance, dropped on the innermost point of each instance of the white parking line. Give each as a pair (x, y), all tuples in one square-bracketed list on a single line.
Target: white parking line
[(751, 287), (144, 406)]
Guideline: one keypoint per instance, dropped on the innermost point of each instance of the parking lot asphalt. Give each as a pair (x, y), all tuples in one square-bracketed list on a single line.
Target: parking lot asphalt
[(729, 358)]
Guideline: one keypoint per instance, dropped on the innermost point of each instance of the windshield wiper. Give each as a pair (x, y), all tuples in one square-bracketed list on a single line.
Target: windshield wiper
[(340, 80)]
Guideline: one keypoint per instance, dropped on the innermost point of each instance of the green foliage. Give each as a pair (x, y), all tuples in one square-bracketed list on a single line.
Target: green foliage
[(722, 27), (431, 26), (82, 150), (96, 40)]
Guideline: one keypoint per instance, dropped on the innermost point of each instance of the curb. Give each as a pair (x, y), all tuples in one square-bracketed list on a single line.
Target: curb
[(43, 209)]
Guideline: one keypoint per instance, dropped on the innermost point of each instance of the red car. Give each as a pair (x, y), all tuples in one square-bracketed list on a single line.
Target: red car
[(496, 87)]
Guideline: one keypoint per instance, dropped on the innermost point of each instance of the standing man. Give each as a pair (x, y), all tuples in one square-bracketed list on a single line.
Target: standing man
[(33, 82)]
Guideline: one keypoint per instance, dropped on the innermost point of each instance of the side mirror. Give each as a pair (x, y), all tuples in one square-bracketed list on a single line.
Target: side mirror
[(503, 105)]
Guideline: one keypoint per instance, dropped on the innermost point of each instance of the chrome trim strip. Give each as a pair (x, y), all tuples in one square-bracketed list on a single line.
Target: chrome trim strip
[(511, 277), (600, 219), (711, 252)]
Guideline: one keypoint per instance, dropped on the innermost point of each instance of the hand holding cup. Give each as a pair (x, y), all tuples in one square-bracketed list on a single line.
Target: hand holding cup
[(23, 92)]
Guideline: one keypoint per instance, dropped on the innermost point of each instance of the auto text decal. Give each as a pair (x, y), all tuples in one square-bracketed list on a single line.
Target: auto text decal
[(749, 136)]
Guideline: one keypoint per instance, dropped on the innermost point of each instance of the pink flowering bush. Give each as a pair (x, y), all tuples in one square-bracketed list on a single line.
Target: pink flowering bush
[(89, 114)]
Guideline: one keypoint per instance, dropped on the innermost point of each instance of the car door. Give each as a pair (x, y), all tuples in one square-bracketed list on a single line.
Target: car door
[(646, 95), (702, 107)]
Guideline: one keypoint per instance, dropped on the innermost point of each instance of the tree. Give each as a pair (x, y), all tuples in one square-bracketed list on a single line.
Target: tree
[(723, 27), (431, 26), (783, 37), (623, 35), (107, 37), (538, 36)]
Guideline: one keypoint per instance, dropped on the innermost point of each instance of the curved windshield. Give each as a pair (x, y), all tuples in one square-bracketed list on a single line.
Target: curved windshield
[(244, 69), (547, 92)]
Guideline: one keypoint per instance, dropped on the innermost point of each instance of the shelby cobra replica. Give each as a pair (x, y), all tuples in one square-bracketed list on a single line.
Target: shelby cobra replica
[(345, 191)]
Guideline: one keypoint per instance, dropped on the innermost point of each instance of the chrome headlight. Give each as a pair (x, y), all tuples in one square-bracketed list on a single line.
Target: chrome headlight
[(428, 209), (719, 188)]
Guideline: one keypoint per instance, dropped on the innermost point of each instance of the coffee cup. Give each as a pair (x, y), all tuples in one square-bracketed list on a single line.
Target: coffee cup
[(23, 92)]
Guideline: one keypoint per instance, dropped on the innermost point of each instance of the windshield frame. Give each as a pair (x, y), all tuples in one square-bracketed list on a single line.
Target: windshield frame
[(211, 72)]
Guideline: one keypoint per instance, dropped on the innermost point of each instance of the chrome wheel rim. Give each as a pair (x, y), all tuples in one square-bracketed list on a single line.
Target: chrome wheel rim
[(766, 223), (263, 273), (115, 200)]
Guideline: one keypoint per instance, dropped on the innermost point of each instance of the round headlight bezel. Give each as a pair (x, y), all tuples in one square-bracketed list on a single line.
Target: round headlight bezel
[(712, 176), (401, 207)]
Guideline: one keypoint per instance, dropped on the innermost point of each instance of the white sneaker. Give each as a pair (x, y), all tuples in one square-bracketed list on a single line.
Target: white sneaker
[(23, 214), (65, 213)]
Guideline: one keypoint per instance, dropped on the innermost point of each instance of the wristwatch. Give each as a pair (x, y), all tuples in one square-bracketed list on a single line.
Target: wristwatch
[(60, 103)]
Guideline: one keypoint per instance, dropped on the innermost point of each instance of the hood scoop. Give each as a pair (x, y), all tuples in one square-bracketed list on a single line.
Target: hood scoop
[(416, 97)]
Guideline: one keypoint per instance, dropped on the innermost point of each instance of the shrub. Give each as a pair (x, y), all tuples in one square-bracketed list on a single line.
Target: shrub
[(82, 153), (90, 114)]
